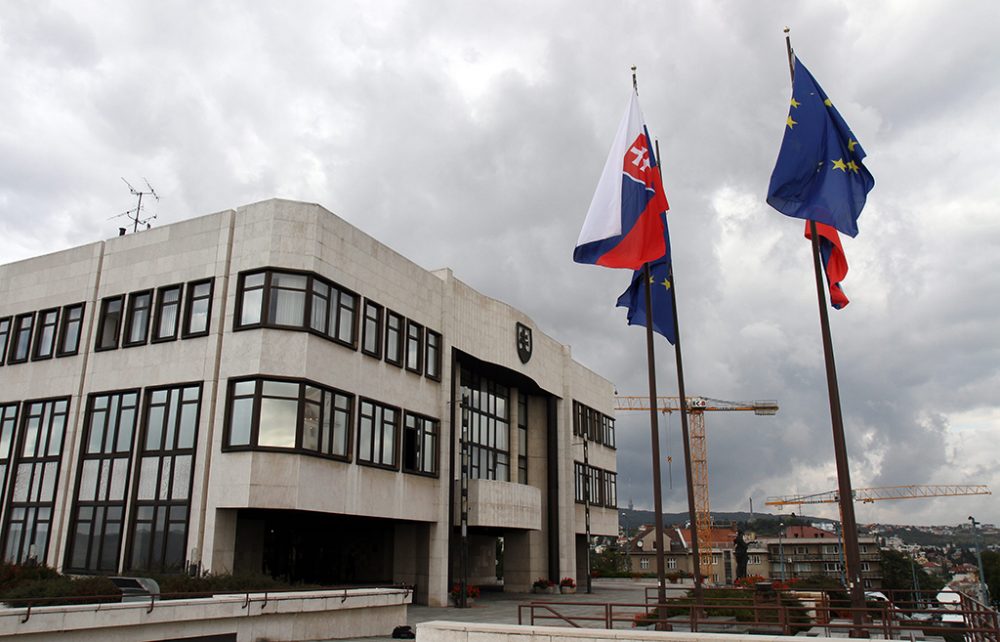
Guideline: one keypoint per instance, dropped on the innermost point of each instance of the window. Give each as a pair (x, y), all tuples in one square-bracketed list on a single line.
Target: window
[(70, 330), (4, 338), (644, 563), (610, 489), (28, 519), (378, 426), (671, 563), (371, 329), (162, 483), (197, 316), (8, 423), (420, 444), (432, 361), (864, 548), (522, 435), (414, 347), (803, 567), (831, 550), (21, 338), (45, 338), (98, 516), (393, 338), (289, 415), (109, 324), (486, 426), (593, 425), (594, 487), (801, 550), (865, 566), (831, 566), (140, 305), (168, 313), (295, 300), (753, 560)]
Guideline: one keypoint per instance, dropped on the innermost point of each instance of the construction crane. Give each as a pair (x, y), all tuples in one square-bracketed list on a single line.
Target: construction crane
[(697, 407), (871, 495)]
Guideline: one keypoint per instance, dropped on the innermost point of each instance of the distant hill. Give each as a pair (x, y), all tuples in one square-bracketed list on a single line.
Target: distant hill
[(763, 523)]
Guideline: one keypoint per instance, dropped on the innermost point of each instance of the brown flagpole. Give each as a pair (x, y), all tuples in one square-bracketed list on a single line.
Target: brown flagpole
[(654, 430), (849, 526)]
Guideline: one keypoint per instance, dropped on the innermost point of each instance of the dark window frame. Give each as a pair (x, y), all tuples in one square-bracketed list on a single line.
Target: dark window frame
[(159, 304), (484, 422), (432, 359), (379, 321), (102, 320), (130, 312), (98, 504), (522, 437), (64, 322), (161, 454), (257, 395), (9, 415), (422, 423), (17, 327), (40, 325), (42, 442), (414, 345), (189, 302), (379, 422), (336, 304), (400, 331), (6, 326)]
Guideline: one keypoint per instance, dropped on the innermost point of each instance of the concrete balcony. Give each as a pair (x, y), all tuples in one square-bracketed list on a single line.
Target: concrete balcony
[(501, 504)]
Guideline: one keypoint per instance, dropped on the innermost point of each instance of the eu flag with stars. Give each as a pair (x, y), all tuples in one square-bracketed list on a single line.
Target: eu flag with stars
[(661, 296), (819, 175)]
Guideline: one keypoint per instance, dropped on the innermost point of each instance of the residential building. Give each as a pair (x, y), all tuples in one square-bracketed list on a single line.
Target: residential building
[(269, 389), (678, 554), (806, 551)]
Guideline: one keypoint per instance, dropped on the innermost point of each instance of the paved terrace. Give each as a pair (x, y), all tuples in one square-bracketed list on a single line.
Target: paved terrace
[(501, 608)]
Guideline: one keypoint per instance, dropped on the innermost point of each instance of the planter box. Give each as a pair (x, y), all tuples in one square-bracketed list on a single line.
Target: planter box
[(567, 589)]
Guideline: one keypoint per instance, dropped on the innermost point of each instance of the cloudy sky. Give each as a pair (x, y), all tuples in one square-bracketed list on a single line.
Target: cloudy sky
[(472, 135)]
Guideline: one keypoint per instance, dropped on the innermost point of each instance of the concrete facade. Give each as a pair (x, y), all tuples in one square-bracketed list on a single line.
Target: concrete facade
[(217, 462)]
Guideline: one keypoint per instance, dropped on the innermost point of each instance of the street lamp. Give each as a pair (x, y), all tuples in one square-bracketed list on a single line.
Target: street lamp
[(781, 549), (984, 590)]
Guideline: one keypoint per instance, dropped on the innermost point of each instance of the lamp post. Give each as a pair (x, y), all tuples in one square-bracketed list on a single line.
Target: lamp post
[(781, 549), (628, 548), (984, 590)]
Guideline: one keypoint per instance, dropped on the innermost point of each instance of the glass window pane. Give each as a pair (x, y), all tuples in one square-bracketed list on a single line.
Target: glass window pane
[(88, 480), (287, 307), (182, 477), (148, 470), (281, 389), (198, 315), (239, 427), (154, 428), (244, 387), (310, 424), (166, 471), (119, 479), (97, 419), (250, 310), (253, 280), (278, 418), (189, 422)]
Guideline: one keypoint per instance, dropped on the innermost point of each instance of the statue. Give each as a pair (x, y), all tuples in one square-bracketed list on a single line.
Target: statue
[(741, 547)]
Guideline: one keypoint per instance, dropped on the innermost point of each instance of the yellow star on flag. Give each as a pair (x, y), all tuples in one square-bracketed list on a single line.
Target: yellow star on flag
[(795, 103), (666, 283), (851, 165), (839, 164), (851, 144), (828, 103), (791, 123)]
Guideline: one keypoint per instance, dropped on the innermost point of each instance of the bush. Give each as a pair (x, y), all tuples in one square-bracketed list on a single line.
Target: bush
[(568, 582), (543, 583), (62, 589)]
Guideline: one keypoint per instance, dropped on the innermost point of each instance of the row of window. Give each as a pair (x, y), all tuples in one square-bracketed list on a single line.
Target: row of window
[(486, 427), (129, 481), (593, 425), (41, 335), (149, 316), (271, 298), (305, 417), (600, 485)]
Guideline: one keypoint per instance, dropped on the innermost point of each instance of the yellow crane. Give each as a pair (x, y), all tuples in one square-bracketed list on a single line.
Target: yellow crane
[(697, 407), (870, 495)]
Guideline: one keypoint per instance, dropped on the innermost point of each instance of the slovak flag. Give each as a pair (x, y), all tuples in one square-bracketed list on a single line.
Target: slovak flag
[(624, 226)]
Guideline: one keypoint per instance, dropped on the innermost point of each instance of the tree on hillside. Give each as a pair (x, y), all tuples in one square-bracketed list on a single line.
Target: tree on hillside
[(898, 570)]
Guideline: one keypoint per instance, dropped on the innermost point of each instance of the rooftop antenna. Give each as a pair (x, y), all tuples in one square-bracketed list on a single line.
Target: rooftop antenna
[(133, 214)]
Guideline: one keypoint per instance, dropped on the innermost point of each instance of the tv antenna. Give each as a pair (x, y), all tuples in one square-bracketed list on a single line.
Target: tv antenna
[(133, 214)]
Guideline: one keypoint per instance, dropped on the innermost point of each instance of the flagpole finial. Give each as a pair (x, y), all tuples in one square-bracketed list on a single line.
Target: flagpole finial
[(787, 30), (635, 83)]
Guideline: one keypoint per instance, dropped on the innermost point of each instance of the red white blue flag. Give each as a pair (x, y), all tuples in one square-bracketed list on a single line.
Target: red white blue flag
[(834, 262), (625, 223)]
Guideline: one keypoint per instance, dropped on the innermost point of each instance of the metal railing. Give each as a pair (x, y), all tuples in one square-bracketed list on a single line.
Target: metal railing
[(919, 615)]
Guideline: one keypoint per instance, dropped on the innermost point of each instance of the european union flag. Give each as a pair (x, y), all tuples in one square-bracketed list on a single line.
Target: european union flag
[(819, 175), (661, 296)]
